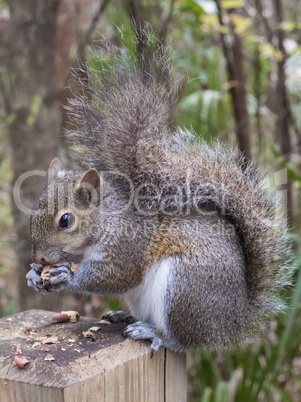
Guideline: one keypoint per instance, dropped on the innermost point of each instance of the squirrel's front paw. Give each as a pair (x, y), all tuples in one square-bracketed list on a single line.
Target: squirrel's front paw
[(143, 330), (34, 277), (61, 276)]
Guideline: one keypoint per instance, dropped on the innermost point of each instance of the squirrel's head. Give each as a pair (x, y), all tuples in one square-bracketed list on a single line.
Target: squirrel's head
[(61, 219)]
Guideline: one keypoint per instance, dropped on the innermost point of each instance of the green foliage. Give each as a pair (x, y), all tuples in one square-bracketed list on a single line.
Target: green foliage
[(190, 6), (205, 106), (114, 304), (225, 4), (34, 110), (289, 25)]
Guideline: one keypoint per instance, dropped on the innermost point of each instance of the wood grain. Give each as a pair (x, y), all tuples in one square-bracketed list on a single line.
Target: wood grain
[(108, 369)]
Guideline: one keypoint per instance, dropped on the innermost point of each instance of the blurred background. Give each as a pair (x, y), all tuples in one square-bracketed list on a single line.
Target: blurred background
[(237, 73)]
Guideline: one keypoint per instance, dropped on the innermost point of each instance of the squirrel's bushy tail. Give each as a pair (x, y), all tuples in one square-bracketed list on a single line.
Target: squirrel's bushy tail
[(123, 108), (121, 125), (240, 191)]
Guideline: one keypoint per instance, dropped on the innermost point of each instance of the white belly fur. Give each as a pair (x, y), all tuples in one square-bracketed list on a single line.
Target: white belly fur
[(146, 301)]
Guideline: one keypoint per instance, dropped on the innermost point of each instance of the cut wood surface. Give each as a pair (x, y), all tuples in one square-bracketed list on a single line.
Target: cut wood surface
[(107, 368)]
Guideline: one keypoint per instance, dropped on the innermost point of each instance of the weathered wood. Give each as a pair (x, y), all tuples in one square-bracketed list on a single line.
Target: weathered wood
[(175, 375), (108, 369)]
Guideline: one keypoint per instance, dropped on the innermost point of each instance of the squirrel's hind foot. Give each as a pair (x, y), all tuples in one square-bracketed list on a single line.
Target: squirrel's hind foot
[(142, 330), (116, 317)]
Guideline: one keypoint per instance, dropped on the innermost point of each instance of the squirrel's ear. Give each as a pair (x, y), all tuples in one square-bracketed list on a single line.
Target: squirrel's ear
[(55, 168), (89, 186)]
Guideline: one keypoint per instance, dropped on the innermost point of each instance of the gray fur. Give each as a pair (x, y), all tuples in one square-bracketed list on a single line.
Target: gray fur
[(222, 285), (128, 133)]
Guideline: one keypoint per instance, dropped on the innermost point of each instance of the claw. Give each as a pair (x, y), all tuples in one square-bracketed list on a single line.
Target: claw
[(118, 317), (34, 278), (63, 264), (59, 270), (37, 267), (157, 342), (142, 330)]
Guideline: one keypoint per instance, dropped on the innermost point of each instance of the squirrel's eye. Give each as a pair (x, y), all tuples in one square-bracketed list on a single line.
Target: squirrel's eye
[(66, 221)]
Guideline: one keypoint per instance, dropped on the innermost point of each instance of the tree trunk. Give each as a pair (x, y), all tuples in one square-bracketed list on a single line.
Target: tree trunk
[(36, 123), (282, 104), (233, 52), (258, 93)]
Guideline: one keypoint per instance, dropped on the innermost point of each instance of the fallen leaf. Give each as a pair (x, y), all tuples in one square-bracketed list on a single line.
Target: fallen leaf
[(51, 339), (94, 329), (104, 322), (49, 357), (89, 334), (41, 338)]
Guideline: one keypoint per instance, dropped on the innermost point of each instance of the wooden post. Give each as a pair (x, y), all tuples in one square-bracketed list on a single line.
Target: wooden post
[(107, 369)]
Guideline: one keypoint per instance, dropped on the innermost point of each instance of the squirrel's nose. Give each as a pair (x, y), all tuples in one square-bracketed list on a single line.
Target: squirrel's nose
[(41, 258)]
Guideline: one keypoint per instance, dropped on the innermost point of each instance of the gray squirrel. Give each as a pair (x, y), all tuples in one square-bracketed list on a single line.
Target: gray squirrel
[(183, 231)]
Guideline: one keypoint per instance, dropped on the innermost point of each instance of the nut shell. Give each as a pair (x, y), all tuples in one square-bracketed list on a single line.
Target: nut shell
[(45, 274), (21, 361), (65, 316), (60, 317)]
